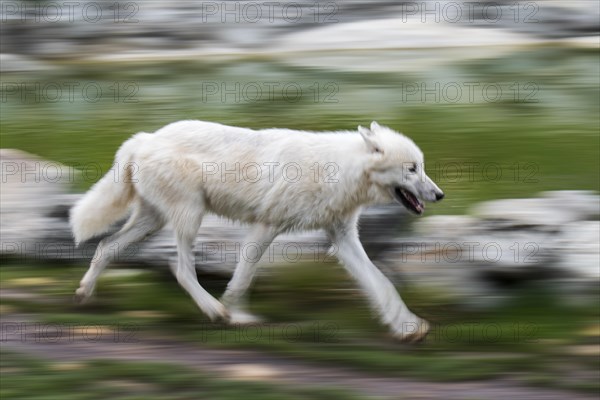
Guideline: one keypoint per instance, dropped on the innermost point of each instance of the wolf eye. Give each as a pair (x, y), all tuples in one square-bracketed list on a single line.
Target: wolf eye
[(413, 168)]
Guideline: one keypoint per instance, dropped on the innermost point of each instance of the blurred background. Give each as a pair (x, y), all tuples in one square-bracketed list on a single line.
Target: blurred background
[(502, 97)]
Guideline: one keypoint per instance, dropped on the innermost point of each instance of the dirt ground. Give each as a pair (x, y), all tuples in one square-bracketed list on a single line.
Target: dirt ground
[(22, 334)]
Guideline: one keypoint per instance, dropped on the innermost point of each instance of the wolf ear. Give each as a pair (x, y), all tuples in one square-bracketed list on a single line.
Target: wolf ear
[(370, 139), (375, 126)]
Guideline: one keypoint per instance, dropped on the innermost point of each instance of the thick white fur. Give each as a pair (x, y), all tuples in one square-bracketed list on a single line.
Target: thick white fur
[(110, 198), (307, 180)]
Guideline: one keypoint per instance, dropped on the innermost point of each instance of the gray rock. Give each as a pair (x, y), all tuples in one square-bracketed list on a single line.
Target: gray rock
[(579, 243), (182, 26), (583, 204), (553, 238), (548, 212)]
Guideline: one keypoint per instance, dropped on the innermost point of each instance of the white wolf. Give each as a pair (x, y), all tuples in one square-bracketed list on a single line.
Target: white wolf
[(277, 180)]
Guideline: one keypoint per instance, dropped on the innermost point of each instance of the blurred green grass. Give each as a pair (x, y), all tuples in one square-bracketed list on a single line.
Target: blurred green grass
[(28, 378), (314, 312)]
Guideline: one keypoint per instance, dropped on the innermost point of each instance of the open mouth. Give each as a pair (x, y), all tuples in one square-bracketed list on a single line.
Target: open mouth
[(409, 200)]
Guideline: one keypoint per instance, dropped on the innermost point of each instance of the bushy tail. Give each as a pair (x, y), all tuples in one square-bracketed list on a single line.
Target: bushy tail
[(109, 199)]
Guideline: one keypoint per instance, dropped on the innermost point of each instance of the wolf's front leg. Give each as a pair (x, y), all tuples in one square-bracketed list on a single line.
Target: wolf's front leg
[(384, 297)]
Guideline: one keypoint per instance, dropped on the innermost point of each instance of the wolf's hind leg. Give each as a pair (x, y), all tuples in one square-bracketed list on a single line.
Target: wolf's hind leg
[(186, 228), (144, 221), (257, 241)]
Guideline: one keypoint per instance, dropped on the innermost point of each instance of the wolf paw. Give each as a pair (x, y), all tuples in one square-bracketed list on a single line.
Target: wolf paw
[(241, 317), (414, 335), (218, 313), (82, 296)]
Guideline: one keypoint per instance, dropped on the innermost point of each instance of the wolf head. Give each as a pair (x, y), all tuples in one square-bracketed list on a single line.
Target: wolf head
[(397, 168)]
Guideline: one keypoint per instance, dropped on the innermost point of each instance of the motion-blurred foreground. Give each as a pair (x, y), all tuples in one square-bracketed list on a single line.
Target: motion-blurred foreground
[(502, 97)]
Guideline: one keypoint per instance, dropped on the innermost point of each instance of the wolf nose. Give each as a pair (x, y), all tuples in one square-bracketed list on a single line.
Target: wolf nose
[(439, 196)]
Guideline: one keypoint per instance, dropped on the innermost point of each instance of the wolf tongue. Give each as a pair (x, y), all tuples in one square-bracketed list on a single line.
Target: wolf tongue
[(415, 202), (412, 199)]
